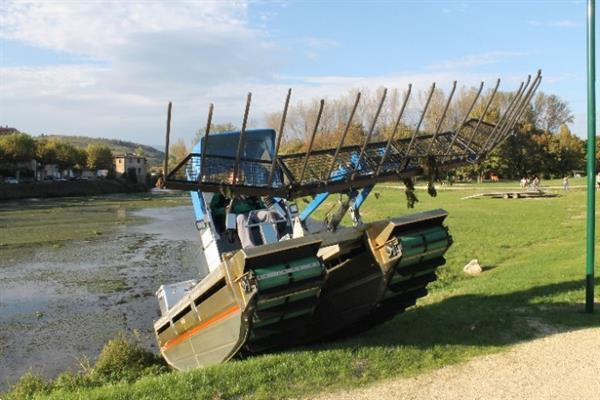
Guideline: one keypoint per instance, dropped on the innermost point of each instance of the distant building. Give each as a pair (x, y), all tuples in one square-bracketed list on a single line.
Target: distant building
[(50, 170), (132, 165), (88, 174), (6, 130)]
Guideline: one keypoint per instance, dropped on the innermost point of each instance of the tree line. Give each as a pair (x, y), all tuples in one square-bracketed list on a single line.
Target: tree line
[(542, 143), (20, 147)]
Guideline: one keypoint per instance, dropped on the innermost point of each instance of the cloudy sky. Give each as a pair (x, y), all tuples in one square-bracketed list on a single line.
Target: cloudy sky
[(108, 69)]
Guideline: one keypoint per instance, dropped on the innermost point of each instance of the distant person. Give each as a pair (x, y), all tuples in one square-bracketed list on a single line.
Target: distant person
[(535, 183), (523, 183), (566, 183), (160, 183)]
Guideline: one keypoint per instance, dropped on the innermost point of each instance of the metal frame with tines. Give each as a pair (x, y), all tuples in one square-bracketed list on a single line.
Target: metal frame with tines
[(344, 168)]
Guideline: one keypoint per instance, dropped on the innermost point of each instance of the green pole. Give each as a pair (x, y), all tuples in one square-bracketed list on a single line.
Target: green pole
[(591, 157)]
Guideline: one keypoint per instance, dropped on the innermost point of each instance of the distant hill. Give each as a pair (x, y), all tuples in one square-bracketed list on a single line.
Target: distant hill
[(155, 157)]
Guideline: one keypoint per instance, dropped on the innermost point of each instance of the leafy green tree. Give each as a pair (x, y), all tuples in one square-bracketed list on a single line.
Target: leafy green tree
[(549, 112), (17, 147), (292, 146), (63, 154), (80, 158), (45, 152), (561, 153), (99, 157), (177, 153), (571, 151), (536, 148), (597, 150)]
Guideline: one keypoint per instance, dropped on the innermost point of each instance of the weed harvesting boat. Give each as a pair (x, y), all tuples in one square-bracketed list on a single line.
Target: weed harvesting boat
[(277, 277)]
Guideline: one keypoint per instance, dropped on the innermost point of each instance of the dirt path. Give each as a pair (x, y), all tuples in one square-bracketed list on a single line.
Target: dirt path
[(562, 366)]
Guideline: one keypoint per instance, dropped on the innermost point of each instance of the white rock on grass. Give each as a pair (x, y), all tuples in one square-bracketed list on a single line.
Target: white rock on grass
[(473, 267)]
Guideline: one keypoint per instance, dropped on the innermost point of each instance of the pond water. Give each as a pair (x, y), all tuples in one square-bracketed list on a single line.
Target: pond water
[(59, 304)]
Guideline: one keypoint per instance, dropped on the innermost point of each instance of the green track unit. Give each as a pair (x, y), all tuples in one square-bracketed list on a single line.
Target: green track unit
[(423, 245), (414, 250), (282, 275), (287, 296)]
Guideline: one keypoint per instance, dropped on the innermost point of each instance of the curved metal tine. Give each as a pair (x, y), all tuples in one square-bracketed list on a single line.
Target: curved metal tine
[(524, 105), (516, 108), (514, 120), (510, 115), (538, 78), (500, 122), (485, 110), (389, 142), (236, 166), (442, 118), (520, 109), (464, 121), (517, 116), (368, 138), (205, 144), (280, 135), (337, 151), (312, 141), (414, 135)]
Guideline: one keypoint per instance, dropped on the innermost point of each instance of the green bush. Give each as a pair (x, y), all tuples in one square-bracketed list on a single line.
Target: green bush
[(28, 386), (123, 358), (72, 381)]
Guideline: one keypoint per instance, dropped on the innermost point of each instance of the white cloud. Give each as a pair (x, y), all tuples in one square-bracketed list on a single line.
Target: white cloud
[(314, 45), (565, 77), (490, 57), (152, 52), (311, 55), (149, 52), (563, 23), (94, 28), (319, 43), (199, 41)]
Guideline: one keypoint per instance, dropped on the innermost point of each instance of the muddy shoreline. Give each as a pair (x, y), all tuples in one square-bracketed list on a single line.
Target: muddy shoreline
[(68, 188), (61, 304)]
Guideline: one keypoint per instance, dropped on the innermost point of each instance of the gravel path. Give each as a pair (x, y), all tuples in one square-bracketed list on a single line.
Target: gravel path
[(562, 366)]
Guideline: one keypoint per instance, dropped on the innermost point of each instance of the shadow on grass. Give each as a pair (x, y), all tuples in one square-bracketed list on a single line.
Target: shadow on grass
[(481, 320)]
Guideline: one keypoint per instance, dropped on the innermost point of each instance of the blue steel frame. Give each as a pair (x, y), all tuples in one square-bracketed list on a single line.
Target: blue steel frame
[(197, 198), (337, 175), (200, 208)]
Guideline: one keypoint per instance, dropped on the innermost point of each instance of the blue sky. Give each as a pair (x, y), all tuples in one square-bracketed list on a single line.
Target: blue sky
[(108, 69)]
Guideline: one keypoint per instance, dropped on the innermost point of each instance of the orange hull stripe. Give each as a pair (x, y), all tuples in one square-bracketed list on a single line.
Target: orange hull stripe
[(211, 321)]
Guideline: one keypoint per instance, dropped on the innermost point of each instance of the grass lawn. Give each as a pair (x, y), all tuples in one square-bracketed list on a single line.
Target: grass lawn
[(533, 253)]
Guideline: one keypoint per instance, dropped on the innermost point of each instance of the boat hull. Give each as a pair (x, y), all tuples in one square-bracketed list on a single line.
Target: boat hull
[(304, 290)]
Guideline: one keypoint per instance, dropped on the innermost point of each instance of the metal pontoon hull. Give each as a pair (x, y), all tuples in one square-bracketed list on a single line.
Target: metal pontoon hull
[(272, 291), (304, 289)]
